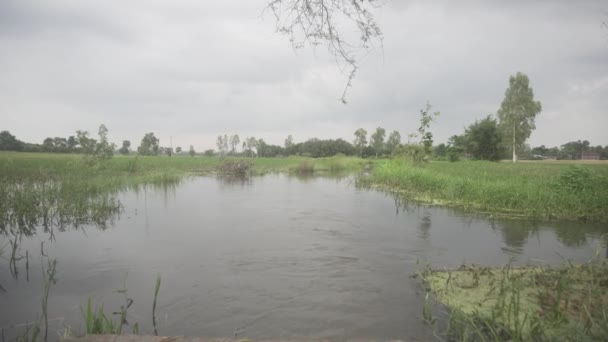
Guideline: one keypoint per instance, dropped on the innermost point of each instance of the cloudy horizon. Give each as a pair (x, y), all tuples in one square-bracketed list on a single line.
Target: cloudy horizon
[(192, 70)]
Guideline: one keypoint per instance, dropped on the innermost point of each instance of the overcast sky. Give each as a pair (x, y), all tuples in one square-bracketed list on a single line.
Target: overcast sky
[(194, 69)]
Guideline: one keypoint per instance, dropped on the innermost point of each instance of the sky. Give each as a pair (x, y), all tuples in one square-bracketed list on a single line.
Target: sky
[(189, 70)]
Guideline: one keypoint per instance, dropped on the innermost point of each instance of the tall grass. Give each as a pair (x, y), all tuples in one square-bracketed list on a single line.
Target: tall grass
[(549, 191)]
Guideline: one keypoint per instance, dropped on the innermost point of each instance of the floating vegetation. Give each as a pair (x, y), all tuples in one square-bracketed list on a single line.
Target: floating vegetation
[(568, 302)]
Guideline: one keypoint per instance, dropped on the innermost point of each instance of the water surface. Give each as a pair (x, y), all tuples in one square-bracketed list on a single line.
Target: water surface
[(271, 257)]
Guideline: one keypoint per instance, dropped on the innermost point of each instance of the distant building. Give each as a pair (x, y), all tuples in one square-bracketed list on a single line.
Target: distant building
[(590, 155)]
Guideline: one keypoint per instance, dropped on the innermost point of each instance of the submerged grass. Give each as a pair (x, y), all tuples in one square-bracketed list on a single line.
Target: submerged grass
[(564, 303), (533, 190)]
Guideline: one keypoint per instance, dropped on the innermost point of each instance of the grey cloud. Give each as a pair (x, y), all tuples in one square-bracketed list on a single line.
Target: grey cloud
[(194, 69)]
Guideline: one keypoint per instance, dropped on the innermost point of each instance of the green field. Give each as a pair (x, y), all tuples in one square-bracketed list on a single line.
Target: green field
[(531, 189)]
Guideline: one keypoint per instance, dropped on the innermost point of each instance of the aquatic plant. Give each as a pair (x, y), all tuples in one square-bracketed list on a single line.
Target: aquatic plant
[(566, 302)]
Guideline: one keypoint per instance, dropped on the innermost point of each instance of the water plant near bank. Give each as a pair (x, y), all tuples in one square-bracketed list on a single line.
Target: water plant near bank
[(563, 303)]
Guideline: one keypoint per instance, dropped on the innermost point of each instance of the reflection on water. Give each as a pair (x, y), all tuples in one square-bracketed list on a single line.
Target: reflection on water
[(263, 257)]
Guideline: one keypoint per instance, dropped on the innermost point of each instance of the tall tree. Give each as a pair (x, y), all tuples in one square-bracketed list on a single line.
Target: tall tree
[(394, 139), (219, 142), (72, 142), (149, 145), (518, 111), (126, 144), (191, 151), (360, 140), (234, 143), (288, 141), (250, 144), (103, 149), (377, 140)]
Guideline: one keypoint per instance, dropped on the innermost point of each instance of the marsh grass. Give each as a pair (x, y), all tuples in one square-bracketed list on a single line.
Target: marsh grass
[(567, 302), (530, 190)]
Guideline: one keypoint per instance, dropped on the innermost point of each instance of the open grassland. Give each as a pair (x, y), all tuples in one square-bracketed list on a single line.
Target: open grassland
[(533, 189), (564, 303)]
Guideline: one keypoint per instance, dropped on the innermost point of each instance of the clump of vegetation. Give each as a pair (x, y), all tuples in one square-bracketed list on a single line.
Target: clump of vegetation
[(240, 167), (575, 178), (306, 165), (568, 302)]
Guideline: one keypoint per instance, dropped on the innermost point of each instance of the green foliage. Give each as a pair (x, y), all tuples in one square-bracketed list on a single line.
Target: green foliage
[(156, 289), (95, 153), (426, 137), (483, 140), (520, 190), (393, 141), (575, 178), (149, 145), (126, 144), (360, 140), (8, 142), (517, 112), (96, 321), (377, 140), (416, 153)]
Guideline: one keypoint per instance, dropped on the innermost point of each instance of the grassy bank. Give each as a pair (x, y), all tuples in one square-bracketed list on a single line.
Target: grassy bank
[(564, 303), (532, 190)]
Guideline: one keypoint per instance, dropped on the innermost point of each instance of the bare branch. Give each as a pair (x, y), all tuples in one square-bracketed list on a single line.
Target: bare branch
[(315, 22)]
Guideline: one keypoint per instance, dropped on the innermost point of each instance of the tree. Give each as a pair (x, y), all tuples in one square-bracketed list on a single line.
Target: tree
[(574, 149), (61, 144), (518, 111), (103, 149), (209, 153), (377, 140), (440, 151), (149, 145), (426, 137), (234, 143), (483, 139), (72, 142), (87, 145), (48, 145), (168, 151), (8, 142), (394, 140), (178, 149), (288, 142), (323, 22), (222, 144), (191, 151), (360, 140), (250, 144), (126, 144)]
